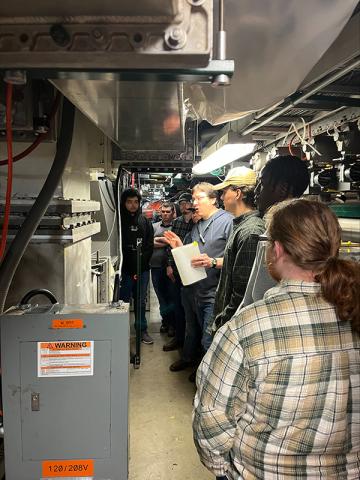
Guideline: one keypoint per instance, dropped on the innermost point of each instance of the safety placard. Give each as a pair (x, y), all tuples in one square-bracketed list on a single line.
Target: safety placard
[(69, 469), (58, 324), (65, 358)]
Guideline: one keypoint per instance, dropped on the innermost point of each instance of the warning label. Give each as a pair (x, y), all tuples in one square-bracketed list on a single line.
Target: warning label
[(65, 359), (67, 469)]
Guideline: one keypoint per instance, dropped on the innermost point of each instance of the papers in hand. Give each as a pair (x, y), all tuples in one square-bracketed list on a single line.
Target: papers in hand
[(182, 257)]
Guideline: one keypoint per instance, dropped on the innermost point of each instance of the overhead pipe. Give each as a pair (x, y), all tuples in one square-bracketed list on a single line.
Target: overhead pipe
[(331, 79)]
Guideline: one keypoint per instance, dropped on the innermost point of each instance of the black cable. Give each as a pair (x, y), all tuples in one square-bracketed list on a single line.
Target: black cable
[(38, 291), (112, 206), (116, 290), (110, 195), (21, 241)]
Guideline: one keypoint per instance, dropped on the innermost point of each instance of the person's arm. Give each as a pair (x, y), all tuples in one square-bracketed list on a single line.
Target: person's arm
[(240, 273), (159, 242), (222, 386), (203, 260)]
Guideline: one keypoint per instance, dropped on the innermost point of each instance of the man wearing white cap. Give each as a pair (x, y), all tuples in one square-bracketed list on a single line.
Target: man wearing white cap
[(240, 251)]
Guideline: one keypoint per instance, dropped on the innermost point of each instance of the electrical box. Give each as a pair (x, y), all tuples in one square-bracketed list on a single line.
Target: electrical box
[(65, 392)]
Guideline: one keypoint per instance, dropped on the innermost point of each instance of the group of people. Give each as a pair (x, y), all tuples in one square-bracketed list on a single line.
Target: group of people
[(275, 324)]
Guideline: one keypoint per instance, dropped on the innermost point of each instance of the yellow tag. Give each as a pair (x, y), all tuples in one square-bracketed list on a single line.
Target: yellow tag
[(195, 243)]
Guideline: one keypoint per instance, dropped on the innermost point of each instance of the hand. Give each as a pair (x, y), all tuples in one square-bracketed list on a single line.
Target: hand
[(160, 242), (202, 260), (170, 273), (172, 239)]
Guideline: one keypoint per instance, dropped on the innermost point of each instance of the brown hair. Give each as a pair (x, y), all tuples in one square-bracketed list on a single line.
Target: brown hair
[(310, 234), (168, 205)]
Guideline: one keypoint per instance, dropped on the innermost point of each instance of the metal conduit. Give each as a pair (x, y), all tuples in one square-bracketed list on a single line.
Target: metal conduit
[(303, 97)]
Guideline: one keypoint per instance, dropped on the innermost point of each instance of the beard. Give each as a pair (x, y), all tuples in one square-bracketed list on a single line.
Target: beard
[(271, 263)]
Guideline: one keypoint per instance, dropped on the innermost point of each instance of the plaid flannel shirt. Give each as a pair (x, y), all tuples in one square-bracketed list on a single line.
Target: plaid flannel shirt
[(279, 391), (239, 257)]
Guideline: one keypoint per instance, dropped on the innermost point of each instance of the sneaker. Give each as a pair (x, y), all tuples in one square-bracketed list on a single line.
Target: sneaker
[(145, 338)]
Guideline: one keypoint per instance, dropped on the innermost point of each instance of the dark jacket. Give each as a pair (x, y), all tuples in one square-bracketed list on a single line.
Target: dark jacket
[(239, 257), (134, 227)]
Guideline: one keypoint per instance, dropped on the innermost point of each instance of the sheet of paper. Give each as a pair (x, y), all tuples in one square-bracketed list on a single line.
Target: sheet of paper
[(182, 257)]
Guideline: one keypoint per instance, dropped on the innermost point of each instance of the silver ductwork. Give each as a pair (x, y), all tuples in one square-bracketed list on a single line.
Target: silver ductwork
[(135, 115)]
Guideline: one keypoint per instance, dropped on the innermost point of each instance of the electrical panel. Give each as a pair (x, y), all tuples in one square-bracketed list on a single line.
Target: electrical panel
[(65, 392)]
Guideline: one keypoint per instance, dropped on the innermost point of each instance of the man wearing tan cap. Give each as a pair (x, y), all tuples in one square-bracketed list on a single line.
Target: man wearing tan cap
[(238, 197)]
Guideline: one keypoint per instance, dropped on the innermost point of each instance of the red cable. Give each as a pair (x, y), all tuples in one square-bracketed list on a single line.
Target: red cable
[(40, 138), (9, 91)]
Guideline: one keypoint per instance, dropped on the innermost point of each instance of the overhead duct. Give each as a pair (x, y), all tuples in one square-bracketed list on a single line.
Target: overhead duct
[(132, 114), (275, 45)]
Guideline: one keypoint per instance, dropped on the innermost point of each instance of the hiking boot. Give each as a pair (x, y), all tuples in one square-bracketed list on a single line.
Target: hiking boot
[(170, 346), (171, 331), (164, 328), (179, 365), (145, 338)]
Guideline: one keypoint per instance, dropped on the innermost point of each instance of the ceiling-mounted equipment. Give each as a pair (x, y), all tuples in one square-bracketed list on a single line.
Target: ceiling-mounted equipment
[(129, 39)]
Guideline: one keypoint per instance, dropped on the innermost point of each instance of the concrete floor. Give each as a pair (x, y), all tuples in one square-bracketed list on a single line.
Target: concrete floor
[(161, 445)]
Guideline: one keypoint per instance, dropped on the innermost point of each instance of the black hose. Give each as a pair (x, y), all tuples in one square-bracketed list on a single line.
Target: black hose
[(38, 291), (116, 291), (19, 244)]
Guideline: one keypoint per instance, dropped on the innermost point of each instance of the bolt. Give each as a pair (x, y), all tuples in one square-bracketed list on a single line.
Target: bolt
[(97, 34), (196, 3), (60, 35), (175, 38), (221, 80)]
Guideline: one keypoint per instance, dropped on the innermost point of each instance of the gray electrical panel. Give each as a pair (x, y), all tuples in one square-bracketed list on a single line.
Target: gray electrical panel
[(65, 392)]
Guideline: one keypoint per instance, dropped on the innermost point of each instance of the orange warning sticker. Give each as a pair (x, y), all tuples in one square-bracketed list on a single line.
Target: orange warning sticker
[(65, 358), (67, 468), (67, 323)]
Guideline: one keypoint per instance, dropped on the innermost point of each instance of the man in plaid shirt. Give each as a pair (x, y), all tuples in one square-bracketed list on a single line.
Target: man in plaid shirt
[(238, 197), (279, 389)]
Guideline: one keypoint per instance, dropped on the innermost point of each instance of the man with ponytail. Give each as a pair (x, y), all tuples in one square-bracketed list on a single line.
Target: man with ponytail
[(279, 389)]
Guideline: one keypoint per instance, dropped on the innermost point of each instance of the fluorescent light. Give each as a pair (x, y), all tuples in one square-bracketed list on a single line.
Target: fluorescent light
[(226, 154)]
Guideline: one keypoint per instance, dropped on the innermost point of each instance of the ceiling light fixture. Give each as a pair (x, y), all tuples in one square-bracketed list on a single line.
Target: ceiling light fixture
[(226, 150)]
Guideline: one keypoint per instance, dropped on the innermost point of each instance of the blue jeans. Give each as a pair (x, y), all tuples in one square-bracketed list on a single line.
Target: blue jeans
[(162, 287), (205, 316), (192, 328), (128, 291)]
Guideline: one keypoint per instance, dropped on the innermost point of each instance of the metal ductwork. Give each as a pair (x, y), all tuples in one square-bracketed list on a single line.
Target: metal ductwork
[(126, 111)]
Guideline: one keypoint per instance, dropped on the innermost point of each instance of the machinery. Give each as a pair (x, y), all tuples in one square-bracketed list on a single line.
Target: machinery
[(65, 391), (96, 98)]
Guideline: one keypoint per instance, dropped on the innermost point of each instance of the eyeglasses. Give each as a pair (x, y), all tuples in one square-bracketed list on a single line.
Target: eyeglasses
[(197, 198)]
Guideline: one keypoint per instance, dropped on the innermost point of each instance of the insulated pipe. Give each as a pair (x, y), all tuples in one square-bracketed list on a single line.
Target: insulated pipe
[(303, 97), (29, 226)]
